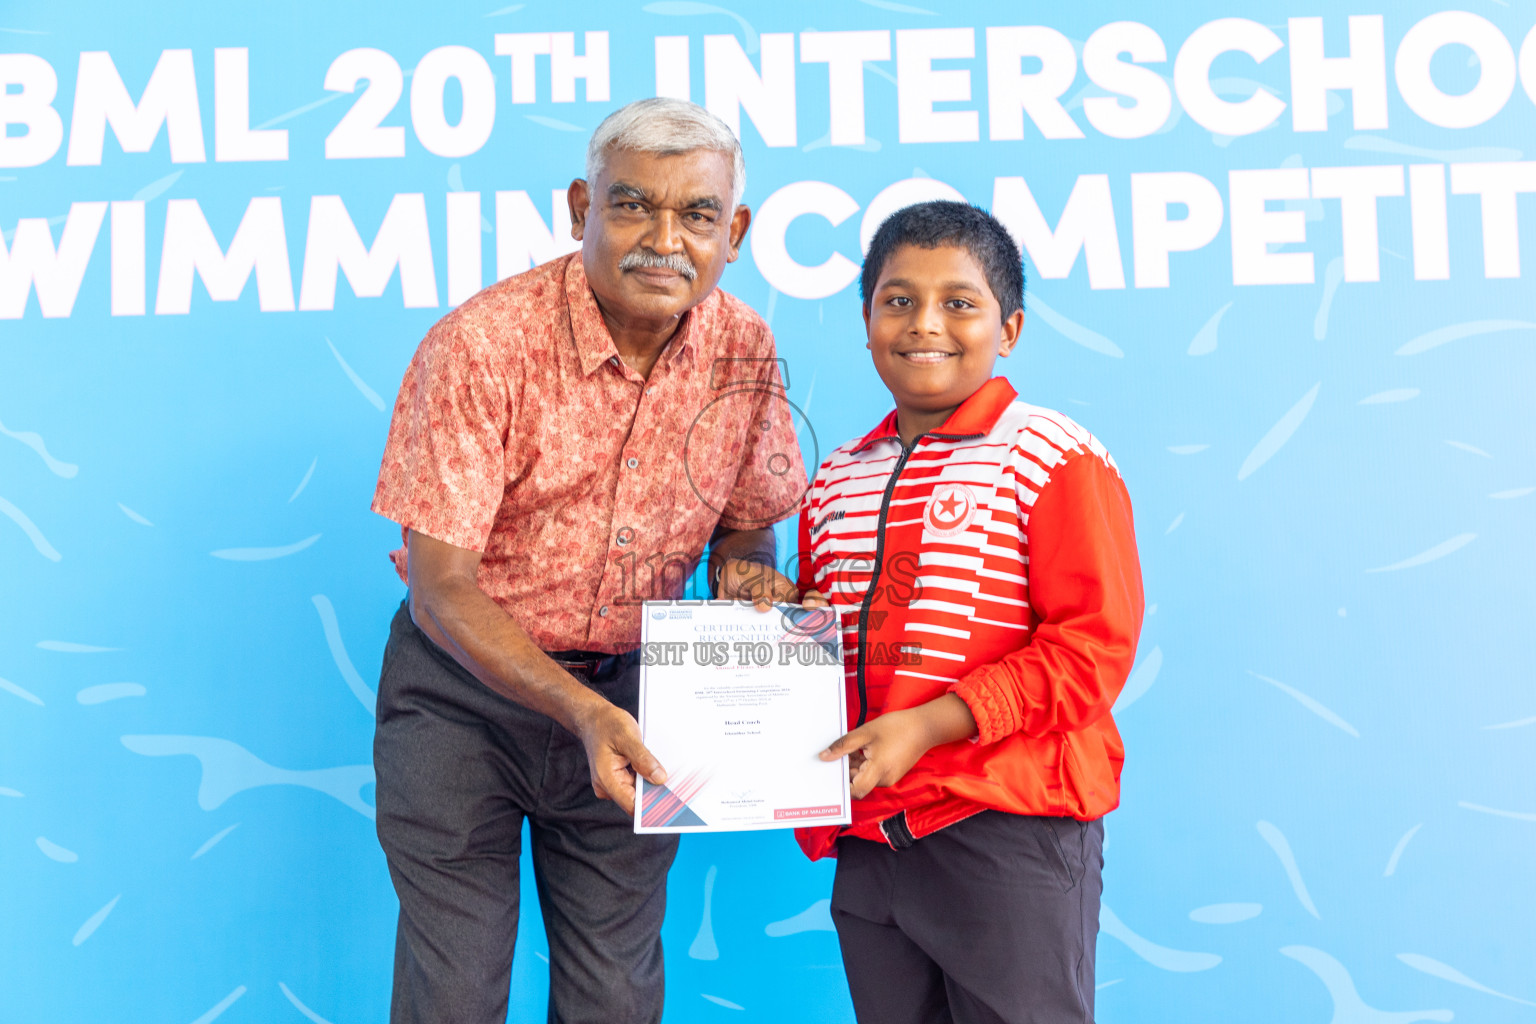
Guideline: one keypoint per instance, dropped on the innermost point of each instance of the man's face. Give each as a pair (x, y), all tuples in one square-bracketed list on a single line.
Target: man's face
[(935, 329), (656, 232)]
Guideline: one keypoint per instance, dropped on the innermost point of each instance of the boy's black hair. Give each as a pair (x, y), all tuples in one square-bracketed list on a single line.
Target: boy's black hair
[(942, 222)]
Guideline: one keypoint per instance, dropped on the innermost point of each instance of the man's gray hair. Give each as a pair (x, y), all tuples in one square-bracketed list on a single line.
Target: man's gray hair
[(666, 127)]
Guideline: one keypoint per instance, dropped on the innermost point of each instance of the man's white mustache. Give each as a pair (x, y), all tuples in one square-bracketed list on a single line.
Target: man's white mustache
[(643, 259)]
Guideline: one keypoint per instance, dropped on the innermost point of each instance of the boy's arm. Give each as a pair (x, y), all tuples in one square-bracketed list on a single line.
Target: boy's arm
[(1085, 588), (882, 751)]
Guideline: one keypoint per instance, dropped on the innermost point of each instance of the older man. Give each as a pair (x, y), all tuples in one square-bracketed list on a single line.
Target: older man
[(564, 445)]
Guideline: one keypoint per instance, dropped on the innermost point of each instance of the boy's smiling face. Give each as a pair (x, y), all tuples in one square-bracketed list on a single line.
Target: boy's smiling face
[(935, 330)]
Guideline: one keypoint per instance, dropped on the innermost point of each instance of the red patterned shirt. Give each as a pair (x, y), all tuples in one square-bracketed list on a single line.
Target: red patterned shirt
[(520, 433)]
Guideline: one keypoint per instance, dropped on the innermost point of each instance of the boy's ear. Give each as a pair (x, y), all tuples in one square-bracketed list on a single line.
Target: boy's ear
[(1011, 328), (866, 328)]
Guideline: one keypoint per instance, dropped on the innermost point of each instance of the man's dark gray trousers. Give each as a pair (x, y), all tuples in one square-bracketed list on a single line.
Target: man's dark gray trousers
[(460, 768)]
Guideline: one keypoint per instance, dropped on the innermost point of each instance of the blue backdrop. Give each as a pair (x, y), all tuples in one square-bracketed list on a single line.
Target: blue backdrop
[(1328, 811)]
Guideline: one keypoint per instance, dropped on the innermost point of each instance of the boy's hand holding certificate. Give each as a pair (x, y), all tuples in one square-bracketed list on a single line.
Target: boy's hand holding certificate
[(737, 704)]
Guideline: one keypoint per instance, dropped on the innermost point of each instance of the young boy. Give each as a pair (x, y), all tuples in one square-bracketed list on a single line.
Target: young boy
[(983, 559)]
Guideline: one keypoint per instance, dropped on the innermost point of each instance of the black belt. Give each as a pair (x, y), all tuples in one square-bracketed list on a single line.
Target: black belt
[(593, 663)]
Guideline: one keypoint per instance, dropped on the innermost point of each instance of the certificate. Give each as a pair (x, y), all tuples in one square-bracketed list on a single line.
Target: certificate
[(736, 704)]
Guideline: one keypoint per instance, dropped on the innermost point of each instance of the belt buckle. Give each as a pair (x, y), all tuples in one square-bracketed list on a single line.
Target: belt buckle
[(588, 665)]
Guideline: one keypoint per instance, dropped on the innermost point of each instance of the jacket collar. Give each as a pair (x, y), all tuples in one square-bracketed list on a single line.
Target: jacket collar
[(974, 417), (594, 345)]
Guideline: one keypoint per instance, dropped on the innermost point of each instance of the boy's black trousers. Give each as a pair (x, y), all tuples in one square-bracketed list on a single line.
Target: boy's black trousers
[(990, 920)]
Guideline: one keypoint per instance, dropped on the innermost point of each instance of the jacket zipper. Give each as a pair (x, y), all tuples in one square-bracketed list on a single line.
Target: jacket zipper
[(874, 579)]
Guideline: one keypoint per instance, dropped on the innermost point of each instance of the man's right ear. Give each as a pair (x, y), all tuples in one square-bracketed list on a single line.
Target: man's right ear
[(579, 199)]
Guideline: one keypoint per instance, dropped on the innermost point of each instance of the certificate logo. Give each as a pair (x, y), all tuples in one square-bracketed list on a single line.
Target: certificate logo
[(951, 508)]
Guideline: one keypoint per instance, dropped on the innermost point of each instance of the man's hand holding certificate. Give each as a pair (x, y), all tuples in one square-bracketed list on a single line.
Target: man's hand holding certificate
[(738, 703)]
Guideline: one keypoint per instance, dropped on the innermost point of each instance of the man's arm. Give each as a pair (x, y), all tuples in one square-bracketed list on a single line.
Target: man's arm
[(741, 568), (449, 606)]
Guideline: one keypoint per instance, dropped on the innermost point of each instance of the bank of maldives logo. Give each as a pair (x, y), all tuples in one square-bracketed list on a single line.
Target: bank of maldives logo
[(951, 508)]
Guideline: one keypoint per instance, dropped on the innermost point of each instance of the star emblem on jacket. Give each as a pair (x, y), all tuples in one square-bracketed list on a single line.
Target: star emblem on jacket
[(950, 509)]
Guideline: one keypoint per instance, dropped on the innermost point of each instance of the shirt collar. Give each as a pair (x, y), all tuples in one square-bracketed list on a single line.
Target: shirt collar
[(974, 417), (594, 345)]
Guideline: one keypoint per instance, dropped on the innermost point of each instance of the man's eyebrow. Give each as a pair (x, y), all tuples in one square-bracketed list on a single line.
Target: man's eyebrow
[(628, 191), (638, 194)]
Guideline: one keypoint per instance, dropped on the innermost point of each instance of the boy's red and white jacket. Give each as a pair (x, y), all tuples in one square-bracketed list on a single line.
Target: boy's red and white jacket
[(995, 559)]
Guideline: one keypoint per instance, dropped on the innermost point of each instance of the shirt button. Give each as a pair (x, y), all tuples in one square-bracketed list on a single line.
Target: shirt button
[(602, 612), (621, 540), (632, 462)]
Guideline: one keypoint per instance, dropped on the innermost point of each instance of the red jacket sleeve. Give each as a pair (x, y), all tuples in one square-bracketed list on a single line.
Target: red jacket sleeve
[(1085, 590)]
